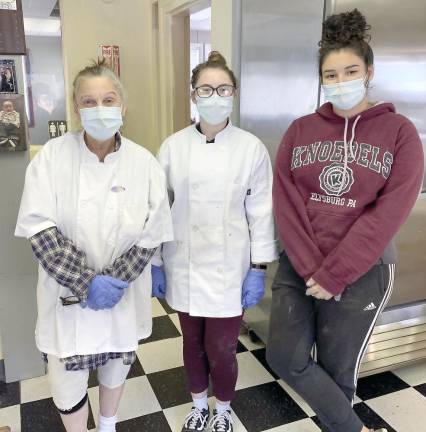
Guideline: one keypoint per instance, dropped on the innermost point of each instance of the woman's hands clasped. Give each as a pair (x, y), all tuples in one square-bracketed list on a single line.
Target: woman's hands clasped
[(104, 292), (317, 291)]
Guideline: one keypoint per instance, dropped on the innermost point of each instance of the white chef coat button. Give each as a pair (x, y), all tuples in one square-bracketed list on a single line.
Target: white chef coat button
[(195, 186), (194, 228), (219, 269)]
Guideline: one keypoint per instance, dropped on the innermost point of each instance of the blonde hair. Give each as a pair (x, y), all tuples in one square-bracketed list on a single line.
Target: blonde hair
[(98, 68)]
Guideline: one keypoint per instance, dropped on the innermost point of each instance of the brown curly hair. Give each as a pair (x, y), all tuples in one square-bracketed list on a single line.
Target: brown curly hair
[(215, 61), (347, 30)]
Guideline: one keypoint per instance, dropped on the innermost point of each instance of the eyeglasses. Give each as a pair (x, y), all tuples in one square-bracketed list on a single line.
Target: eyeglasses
[(206, 91), (68, 301)]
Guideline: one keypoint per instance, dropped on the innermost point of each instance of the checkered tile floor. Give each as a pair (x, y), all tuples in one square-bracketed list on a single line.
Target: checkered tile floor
[(156, 399)]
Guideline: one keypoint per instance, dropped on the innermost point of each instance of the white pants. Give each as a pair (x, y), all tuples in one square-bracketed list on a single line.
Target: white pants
[(69, 387)]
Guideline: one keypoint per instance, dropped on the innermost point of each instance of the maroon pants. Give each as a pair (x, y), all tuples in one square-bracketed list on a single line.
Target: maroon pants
[(210, 350)]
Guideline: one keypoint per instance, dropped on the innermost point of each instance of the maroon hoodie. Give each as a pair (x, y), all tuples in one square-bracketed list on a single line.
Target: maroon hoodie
[(337, 219)]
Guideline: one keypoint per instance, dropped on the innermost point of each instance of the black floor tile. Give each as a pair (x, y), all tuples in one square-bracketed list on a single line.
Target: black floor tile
[(170, 387), (155, 422), (370, 418), (162, 328), (10, 394), (166, 306), (421, 389), (93, 379), (241, 348), (42, 416), (266, 406), (136, 370), (379, 385), (260, 354)]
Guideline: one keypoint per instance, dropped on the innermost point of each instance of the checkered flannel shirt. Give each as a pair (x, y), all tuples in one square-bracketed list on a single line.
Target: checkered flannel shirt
[(93, 361), (63, 261), (67, 265)]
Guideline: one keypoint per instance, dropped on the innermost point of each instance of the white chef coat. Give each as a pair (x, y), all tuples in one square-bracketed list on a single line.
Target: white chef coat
[(105, 209), (222, 218)]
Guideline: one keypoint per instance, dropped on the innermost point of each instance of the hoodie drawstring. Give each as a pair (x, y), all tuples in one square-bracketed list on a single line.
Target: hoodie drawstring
[(346, 145)]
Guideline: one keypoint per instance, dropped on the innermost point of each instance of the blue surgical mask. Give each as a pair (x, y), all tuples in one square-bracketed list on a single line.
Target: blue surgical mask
[(215, 109), (345, 95), (101, 122)]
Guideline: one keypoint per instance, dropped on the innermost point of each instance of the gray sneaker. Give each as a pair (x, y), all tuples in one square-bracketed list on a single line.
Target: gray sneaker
[(196, 420)]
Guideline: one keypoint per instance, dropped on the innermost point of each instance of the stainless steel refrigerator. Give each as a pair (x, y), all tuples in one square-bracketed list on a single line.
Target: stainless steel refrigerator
[(279, 82)]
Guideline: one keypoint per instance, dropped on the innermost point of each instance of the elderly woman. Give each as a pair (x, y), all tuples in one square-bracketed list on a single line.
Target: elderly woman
[(95, 209)]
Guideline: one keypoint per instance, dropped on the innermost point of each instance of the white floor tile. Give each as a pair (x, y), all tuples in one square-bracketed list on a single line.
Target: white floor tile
[(357, 400), (11, 416), (250, 371), (305, 425), (246, 341), (404, 410), (138, 400), (412, 375), (176, 415), (35, 389), (157, 309), (298, 399), (175, 318), (161, 355)]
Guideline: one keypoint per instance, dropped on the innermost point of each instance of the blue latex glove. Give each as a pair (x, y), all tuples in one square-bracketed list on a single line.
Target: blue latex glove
[(158, 281), (253, 288), (104, 292)]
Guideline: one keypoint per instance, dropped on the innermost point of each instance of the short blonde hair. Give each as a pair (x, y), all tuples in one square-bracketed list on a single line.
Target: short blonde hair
[(98, 68)]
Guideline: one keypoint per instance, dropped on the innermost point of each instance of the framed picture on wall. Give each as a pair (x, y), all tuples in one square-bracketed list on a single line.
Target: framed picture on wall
[(8, 83), (8, 4), (13, 131)]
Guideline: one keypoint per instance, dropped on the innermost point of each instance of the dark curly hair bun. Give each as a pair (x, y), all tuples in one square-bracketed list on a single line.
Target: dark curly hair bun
[(344, 27), (346, 30)]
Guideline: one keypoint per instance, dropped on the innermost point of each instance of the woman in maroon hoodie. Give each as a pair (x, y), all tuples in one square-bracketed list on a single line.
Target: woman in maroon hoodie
[(346, 178)]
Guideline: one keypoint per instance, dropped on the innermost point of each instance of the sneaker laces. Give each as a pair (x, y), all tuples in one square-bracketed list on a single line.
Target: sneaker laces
[(193, 417), (219, 421)]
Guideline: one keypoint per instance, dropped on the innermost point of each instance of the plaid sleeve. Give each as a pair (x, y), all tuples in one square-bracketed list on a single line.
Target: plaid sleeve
[(130, 265), (63, 261)]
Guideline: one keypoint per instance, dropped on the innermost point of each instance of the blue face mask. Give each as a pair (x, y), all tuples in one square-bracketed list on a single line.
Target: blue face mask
[(345, 95), (101, 122)]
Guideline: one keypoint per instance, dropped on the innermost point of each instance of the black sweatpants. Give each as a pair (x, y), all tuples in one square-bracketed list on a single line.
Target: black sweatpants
[(340, 331)]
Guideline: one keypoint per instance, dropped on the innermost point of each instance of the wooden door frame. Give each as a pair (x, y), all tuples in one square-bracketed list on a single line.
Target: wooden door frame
[(167, 10)]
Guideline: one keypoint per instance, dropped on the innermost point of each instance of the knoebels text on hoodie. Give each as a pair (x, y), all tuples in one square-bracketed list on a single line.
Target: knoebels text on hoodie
[(342, 189)]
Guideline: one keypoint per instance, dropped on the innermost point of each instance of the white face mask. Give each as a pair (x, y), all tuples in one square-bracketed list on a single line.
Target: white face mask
[(101, 122), (215, 109), (345, 95)]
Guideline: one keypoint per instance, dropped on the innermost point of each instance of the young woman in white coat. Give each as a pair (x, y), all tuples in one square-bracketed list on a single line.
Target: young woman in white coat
[(94, 208), (220, 182)]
